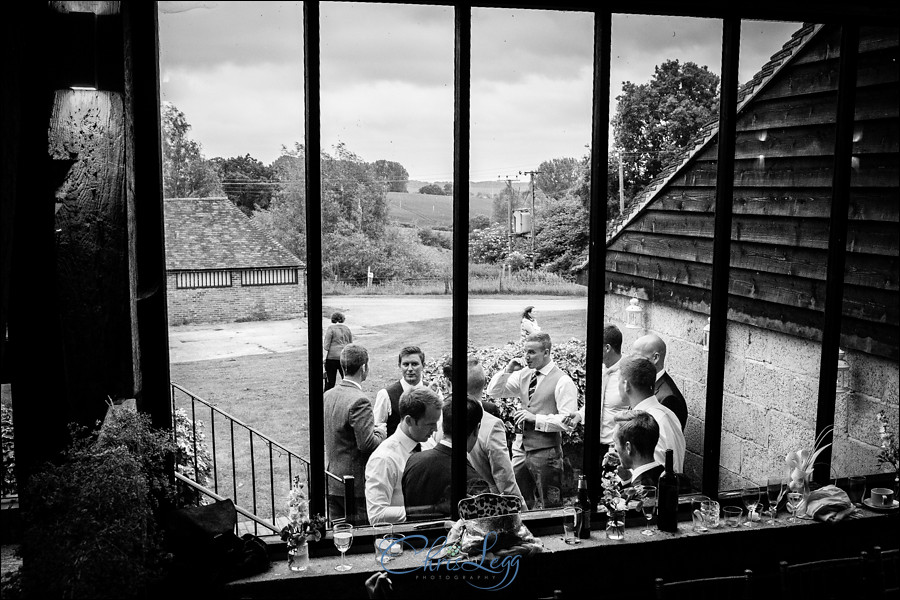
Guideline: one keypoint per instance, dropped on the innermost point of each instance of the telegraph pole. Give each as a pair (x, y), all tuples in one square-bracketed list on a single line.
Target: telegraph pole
[(533, 216), (509, 226)]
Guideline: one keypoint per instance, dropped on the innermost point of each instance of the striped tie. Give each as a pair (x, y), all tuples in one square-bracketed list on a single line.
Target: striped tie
[(532, 385)]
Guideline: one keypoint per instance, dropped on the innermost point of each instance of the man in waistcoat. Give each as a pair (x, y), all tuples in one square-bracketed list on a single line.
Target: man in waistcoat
[(387, 401), (547, 397)]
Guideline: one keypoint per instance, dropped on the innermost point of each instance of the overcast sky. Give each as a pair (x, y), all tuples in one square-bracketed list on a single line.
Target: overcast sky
[(236, 70)]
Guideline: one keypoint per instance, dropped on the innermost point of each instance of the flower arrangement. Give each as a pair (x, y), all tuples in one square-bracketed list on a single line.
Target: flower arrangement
[(801, 462), (615, 494), (888, 454), (301, 528)]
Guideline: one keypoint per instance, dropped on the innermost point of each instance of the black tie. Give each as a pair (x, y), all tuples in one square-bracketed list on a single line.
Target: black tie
[(417, 448)]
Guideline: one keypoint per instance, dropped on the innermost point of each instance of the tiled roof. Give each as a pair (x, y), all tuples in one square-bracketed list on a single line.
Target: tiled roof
[(708, 132), (212, 233)]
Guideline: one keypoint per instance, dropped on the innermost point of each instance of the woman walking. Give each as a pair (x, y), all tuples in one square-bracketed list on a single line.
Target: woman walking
[(337, 336), (529, 324)]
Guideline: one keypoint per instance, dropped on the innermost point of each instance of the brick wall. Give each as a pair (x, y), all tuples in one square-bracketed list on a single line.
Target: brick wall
[(235, 303), (771, 391)]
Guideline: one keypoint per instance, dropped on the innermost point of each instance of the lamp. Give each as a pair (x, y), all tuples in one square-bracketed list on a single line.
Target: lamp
[(843, 373), (634, 315), (706, 331)]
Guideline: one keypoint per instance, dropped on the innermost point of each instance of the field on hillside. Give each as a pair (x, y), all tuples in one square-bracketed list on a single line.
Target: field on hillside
[(425, 210)]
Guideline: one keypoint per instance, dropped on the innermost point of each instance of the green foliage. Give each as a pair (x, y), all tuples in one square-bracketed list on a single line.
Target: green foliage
[(393, 174), (479, 221), (562, 235), (186, 173), (184, 458), (432, 189), (489, 245), (246, 181), (501, 204), (557, 176), (91, 520), (430, 237), (656, 120), (9, 487)]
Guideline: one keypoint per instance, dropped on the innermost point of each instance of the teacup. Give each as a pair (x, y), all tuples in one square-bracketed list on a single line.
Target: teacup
[(882, 497)]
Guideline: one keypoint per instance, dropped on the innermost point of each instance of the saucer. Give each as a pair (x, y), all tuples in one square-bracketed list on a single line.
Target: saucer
[(879, 507)]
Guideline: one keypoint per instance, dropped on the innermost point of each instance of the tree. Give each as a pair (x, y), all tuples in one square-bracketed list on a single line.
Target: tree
[(557, 176), (655, 121), (351, 195), (186, 173), (448, 189), (478, 221), (285, 217), (432, 189), (392, 173), (501, 204), (246, 181), (561, 235)]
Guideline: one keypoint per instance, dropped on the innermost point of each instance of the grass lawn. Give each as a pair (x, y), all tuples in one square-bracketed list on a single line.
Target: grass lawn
[(270, 393)]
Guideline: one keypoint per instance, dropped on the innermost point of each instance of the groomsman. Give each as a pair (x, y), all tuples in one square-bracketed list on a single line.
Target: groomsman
[(653, 348)]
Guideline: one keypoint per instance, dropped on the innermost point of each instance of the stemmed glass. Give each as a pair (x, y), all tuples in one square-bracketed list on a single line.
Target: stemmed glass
[(750, 498), (648, 503), (794, 499), (775, 487), (343, 537)]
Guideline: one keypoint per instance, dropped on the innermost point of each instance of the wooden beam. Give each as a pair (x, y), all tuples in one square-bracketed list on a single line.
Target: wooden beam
[(876, 171), (313, 182), (715, 372), (877, 102)]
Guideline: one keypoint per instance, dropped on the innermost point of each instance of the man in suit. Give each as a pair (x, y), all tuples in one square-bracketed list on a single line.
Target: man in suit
[(547, 397), (420, 411), (653, 348), (426, 478), (350, 432), (387, 402), (490, 454), (636, 382), (635, 438)]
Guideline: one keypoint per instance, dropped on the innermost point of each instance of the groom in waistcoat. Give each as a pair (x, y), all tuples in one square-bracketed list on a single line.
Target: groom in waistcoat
[(387, 402), (547, 397)]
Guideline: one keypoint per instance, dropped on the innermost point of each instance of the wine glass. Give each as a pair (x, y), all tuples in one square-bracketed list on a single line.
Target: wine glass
[(775, 487), (343, 537), (750, 498), (794, 499), (648, 503)]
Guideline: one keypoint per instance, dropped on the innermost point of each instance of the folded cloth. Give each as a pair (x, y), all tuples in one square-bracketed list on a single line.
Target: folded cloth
[(829, 504), (506, 536)]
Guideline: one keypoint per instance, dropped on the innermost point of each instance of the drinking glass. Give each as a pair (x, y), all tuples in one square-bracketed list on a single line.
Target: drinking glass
[(698, 519), (572, 516), (343, 537), (732, 515), (648, 504), (750, 498), (711, 509), (856, 489), (775, 486), (793, 503), (383, 540)]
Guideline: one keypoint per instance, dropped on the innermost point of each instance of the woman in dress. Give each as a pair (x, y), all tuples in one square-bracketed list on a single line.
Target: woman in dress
[(337, 336), (529, 324)]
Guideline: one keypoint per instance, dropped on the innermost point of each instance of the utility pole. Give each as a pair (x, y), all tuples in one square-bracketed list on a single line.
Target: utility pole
[(509, 225), (533, 216)]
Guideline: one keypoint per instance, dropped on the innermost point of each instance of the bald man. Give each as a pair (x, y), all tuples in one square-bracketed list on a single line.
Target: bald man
[(653, 348)]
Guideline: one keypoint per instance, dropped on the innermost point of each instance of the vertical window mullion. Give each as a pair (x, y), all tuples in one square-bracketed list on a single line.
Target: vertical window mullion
[(715, 372), (597, 248), (837, 243), (461, 134), (313, 143)]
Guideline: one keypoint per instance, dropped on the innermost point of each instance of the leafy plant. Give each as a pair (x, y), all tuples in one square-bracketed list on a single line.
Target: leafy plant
[(888, 456), (184, 458), (9, 487)]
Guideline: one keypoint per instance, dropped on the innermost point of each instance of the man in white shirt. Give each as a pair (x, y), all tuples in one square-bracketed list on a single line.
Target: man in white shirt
[(548, 396), (635, 439), (653, 348), (419, 410), (612, 403), (411, 361), (637, 377)]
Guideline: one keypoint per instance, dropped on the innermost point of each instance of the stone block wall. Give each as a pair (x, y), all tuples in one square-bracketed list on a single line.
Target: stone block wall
[(235, 303), (771, 395)]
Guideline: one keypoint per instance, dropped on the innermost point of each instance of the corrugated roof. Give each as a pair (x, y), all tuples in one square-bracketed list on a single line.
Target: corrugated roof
[(212, 233), (747, 92)]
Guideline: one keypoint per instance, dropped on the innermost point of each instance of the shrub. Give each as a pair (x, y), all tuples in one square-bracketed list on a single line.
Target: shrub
[(9, 453)]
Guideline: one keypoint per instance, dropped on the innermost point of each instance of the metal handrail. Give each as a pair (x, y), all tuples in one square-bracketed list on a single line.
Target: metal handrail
[(350, 501), (215, 496)]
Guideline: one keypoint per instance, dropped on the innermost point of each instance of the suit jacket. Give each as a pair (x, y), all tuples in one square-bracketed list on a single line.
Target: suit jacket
[(650, 477), (490, 457), (670, 396), (426, 483), (350, 435)]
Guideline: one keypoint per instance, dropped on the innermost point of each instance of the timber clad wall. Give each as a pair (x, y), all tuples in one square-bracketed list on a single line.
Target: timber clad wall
[(236, 303), (782, 198), (662, 253)]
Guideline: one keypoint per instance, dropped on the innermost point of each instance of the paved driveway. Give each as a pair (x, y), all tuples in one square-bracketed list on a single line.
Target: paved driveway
[(188, 343)]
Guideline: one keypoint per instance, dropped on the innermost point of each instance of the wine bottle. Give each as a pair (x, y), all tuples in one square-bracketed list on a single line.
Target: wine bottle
[(667, 497), (584, 503)]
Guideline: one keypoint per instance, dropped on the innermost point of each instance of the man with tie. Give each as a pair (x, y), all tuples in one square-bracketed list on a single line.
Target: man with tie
[(548, 396), (612, 403), (387, 402), (653, 348), (419, 410)]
